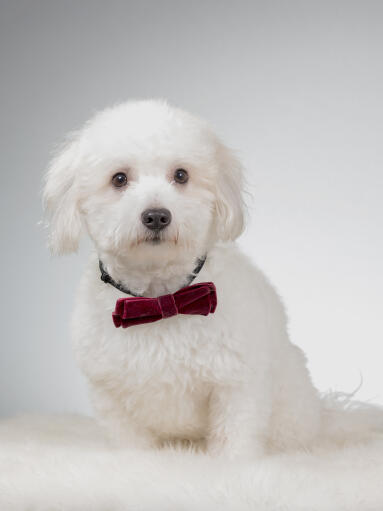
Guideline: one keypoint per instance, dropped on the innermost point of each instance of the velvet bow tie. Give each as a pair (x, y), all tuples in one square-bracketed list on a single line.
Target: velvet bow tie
[(196, 299)]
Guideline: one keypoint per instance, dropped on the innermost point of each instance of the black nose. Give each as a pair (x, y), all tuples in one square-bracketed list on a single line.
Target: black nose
[(156, 219)]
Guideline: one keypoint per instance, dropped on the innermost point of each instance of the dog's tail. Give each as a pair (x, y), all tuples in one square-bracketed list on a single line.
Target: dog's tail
[(346, 420)]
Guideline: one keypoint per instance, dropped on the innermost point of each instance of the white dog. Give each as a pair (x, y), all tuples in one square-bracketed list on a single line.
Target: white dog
[(158, 193)]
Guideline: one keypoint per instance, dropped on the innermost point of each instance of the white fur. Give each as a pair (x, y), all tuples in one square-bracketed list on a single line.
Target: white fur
[(232, 380), (63, 464)]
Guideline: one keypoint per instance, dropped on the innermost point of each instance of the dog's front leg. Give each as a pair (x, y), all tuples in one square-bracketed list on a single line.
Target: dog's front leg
[(112, 411), (238, 421)]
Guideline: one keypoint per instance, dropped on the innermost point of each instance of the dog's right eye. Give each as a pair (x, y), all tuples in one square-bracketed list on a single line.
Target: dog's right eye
[(120, 179), (181, 176)]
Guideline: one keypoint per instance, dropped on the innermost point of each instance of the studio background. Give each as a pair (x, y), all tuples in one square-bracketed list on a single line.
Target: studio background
[(294, 87)]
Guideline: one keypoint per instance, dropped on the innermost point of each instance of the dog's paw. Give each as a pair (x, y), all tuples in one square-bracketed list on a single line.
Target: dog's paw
[(236, 449)]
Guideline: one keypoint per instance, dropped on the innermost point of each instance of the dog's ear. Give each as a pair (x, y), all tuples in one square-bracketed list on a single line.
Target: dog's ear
[(60, 199), (230, 207)]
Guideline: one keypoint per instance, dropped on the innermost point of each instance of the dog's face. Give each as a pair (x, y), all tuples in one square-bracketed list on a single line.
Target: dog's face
[(148, 181)]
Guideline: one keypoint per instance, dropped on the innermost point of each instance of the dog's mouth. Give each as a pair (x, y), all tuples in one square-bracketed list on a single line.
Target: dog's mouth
[(155, 238)]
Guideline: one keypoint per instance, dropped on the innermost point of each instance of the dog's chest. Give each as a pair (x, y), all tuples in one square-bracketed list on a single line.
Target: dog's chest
[(165, 372), (177, 351), (183, 352)]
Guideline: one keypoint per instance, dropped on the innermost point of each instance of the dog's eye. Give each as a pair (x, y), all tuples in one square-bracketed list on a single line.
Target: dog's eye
[(119, 179), (181, 176)]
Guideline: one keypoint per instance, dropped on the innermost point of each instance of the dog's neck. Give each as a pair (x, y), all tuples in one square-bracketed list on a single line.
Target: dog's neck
[(151, 278)]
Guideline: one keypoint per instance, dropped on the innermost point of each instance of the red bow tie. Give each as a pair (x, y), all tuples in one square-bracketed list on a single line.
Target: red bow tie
[(197, 299)]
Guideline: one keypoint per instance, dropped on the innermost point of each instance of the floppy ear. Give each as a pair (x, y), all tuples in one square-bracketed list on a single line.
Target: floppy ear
[(230, 207), (61, 200)]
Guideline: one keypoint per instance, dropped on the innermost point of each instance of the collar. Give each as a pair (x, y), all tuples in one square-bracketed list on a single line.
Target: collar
[(105, 277)]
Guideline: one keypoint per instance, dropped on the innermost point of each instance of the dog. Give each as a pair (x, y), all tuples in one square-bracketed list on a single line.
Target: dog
[(161, 198)]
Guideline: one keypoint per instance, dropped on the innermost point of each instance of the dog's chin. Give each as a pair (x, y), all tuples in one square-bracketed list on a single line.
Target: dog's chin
[(152, 250), (154, 241), (158, 245)]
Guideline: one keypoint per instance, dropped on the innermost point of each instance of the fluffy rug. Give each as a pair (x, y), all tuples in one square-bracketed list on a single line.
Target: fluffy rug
[(63, 463)]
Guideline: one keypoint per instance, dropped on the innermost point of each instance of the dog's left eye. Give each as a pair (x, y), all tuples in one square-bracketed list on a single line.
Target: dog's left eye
[(119, 179), (181, 176)]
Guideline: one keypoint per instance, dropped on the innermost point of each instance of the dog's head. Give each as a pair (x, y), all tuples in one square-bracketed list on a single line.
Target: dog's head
[(144, 179)]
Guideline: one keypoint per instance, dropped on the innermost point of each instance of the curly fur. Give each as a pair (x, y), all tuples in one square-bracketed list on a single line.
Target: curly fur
[(232, 382)]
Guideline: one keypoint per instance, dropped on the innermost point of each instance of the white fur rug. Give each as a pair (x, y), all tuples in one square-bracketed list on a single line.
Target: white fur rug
[(62, 463)]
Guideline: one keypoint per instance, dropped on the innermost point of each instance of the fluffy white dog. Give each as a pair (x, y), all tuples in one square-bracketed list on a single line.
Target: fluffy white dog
[(158, 192)]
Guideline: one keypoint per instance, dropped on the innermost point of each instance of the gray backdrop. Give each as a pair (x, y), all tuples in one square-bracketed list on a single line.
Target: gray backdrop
[(294, 87)]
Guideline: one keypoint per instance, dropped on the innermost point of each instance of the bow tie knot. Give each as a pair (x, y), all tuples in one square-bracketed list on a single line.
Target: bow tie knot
[(167, 305), (196, 299)]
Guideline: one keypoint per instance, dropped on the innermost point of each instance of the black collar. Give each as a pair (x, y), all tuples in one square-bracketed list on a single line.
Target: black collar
[(105, 277)]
